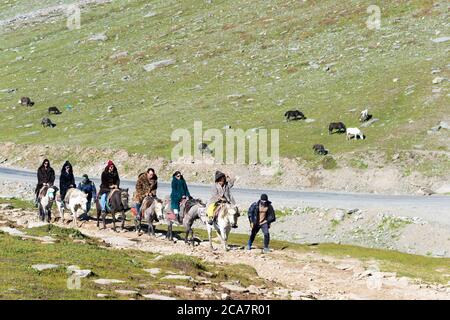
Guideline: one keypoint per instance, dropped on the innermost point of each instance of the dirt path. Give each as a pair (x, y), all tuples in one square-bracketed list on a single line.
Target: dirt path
[(309, 275)]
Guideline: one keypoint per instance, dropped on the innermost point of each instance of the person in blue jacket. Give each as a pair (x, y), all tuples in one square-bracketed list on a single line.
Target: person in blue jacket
[(260, 215), (88, 187)]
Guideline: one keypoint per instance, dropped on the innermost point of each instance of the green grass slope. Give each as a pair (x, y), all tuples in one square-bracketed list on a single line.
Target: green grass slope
[(238, 63)]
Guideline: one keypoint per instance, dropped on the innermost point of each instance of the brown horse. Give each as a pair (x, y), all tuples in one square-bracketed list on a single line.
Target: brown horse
[(118, 202)]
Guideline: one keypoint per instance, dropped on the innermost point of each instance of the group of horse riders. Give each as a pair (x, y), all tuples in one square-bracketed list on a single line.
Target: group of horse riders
[(261, 213)]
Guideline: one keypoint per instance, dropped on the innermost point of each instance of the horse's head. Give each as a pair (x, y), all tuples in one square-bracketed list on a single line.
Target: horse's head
[(159, 208), (51, 193), (229, 213), (124, 196)]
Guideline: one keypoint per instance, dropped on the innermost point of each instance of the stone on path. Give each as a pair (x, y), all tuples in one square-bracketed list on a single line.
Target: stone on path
[(157, 297), (178, 277), (108, 281), (153, 270), (233, 287), (44, 266), (127, 292), (79, 272)]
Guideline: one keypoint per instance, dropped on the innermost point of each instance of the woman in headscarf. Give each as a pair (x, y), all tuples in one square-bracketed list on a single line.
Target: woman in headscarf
[(110, 180), (66, 179), (45, 176), (179, 192)]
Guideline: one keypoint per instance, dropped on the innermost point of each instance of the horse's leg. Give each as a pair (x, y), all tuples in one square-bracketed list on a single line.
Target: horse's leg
[(104, 220), (75, 217), (150, 229), (209, 229), (222, 234), (114, 220), (171, 231), (123, 220)]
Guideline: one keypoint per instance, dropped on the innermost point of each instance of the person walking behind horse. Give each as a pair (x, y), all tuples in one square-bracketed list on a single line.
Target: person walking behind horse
[(66, 180), (87, 186), (261, 214), (221, 192), (45, 177), (146, 185), (179, 192), (110, 181)]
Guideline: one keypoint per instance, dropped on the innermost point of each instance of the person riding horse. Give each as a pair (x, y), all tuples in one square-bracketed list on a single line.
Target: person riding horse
[(110, 181), (221, 193), (146, 186), (66, 180), (179, 193), (45, 177), (88, 187)]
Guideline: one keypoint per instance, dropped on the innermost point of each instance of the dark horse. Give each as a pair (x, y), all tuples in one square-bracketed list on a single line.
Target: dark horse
[(320, 149), (338, 126), (294, 114), (53, 110), (118, 202)]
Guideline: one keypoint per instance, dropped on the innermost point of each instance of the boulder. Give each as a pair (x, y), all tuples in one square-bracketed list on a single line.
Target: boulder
[(157, 297), (98, 37), (108, 281), (44, 266), (158, 64)]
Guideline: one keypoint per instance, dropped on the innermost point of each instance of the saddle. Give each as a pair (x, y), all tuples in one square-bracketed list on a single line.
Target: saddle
[(108, 199), (43, 192)]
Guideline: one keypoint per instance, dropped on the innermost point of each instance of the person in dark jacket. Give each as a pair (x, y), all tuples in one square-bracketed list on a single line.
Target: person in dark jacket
[(66, 179), (146, 185), (88, 187), (260, 215), (45, 177), (110, 180), (179, 192)]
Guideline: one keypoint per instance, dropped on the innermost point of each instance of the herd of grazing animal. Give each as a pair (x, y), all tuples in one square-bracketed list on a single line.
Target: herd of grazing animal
[(45, 122), (334, 127)]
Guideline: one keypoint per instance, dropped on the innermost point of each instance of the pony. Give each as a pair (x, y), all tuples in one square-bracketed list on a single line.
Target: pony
[(46, 122), (47, 195), (75, 200), (365, 116), (320, 149), (117, 201), (54, 110), (152, 209), (26, 101), (354, 133), (193, 213), (339, 126), (294, 114), (227, 217)]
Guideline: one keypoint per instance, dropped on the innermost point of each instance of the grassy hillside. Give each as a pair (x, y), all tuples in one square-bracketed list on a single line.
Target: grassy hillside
[(238, 63)]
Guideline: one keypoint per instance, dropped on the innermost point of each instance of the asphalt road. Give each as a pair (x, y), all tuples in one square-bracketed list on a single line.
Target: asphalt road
[(431, 208)]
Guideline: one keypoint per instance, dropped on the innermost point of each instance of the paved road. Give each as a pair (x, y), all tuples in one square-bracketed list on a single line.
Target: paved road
[(431, 208)]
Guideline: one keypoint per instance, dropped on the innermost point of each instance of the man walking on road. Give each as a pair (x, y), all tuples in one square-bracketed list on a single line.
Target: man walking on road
[(261, 214)]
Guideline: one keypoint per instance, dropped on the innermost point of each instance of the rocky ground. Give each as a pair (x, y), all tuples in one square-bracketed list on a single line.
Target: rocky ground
[(299, 275)]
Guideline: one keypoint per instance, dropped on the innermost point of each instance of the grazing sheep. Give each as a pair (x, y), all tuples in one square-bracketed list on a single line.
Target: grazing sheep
[(46, 122), (339, 126), (53, 110), (26, 101), (320, 149), (294, 114), (354, 133), (365, 116)]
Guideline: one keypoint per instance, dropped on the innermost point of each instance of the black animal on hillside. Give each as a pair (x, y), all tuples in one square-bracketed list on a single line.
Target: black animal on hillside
[(320, 149), (46, 122), (294, 115), (54, 110), (26, 101), (338, 126)]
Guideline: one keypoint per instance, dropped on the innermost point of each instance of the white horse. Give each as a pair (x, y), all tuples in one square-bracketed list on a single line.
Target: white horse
[(75, 201), (47, 195), (354, 133), (226, 219)]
